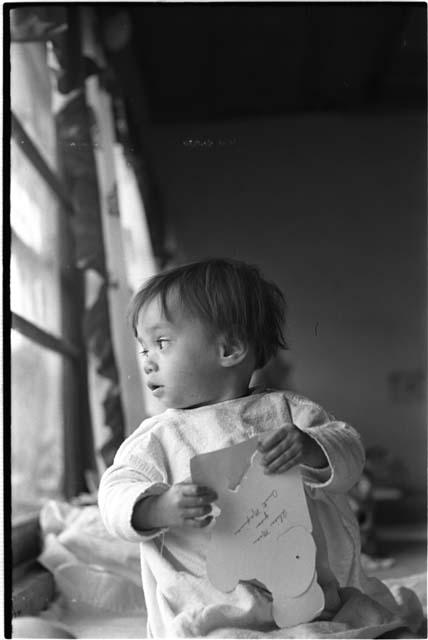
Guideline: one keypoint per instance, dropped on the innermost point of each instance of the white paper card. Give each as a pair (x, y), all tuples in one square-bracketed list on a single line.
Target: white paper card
[(263, 531)]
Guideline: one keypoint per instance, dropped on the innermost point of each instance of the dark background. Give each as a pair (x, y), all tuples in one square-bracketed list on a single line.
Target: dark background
[(294, 136)]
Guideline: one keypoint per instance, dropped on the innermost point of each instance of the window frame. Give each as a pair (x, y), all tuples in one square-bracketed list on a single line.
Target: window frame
[(25, 539), (70, 345), (28, 586)]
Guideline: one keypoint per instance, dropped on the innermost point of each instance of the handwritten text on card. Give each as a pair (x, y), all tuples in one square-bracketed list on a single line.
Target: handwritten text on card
[(265, 515)]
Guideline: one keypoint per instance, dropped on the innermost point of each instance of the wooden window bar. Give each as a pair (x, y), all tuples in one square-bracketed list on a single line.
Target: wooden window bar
[(43, 338), (37, 160)]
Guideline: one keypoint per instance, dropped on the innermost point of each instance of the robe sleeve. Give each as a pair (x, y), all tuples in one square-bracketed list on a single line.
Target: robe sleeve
[(340, 443), (139, 469)]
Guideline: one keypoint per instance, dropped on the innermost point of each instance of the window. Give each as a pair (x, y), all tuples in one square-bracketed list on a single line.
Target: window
[(46, 355)]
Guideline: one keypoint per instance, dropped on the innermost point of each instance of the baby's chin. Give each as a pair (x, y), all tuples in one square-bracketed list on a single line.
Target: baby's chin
[(185, 404), (195, 401)]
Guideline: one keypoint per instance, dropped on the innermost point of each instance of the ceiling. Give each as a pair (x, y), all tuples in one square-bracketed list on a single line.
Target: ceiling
[(209, 61)]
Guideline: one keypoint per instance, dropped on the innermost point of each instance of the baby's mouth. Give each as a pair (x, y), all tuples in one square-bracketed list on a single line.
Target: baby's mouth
[(153, 387)]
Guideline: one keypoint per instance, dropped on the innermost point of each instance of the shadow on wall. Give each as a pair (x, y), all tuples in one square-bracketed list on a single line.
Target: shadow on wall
[(277, 374)]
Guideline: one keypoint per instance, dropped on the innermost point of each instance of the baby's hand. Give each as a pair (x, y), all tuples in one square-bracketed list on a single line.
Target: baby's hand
[(282, 448), (183, 505)]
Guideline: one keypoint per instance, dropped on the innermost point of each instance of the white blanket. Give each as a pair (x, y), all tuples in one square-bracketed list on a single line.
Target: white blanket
[(99, 592)]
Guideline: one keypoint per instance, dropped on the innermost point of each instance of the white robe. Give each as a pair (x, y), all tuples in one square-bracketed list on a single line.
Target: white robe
[(180, 600)]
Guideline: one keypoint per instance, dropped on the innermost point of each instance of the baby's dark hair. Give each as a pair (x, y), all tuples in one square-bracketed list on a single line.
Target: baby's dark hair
[(229, 296)]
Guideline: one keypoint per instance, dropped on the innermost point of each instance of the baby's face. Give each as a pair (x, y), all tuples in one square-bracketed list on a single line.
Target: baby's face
[(181, 358)]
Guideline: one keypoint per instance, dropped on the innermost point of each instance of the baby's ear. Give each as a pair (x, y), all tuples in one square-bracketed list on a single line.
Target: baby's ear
[(232, 351)]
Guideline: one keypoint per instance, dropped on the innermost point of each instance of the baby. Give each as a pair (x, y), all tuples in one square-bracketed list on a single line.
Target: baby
[(204, 328)]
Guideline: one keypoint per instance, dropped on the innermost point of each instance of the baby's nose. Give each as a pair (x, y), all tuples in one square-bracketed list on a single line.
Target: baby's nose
[(149, 366)]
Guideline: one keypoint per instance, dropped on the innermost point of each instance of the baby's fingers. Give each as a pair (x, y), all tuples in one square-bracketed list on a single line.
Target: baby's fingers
[(269, 441), (197, 491), (199, 523), (276, 451), (196, 512), (285, 461), (190, 502)]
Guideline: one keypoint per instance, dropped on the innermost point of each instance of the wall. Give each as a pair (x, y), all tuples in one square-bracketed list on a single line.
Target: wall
[(332, 207)]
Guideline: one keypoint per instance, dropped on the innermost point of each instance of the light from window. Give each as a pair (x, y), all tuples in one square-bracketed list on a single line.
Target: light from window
[(36, 436), (37, 373)]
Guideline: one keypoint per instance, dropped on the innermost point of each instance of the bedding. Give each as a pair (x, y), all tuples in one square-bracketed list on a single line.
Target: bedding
[(99, 594)]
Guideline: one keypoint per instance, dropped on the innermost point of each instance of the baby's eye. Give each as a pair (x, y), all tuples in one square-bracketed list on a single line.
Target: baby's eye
[(144, 352), (163, 343)]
